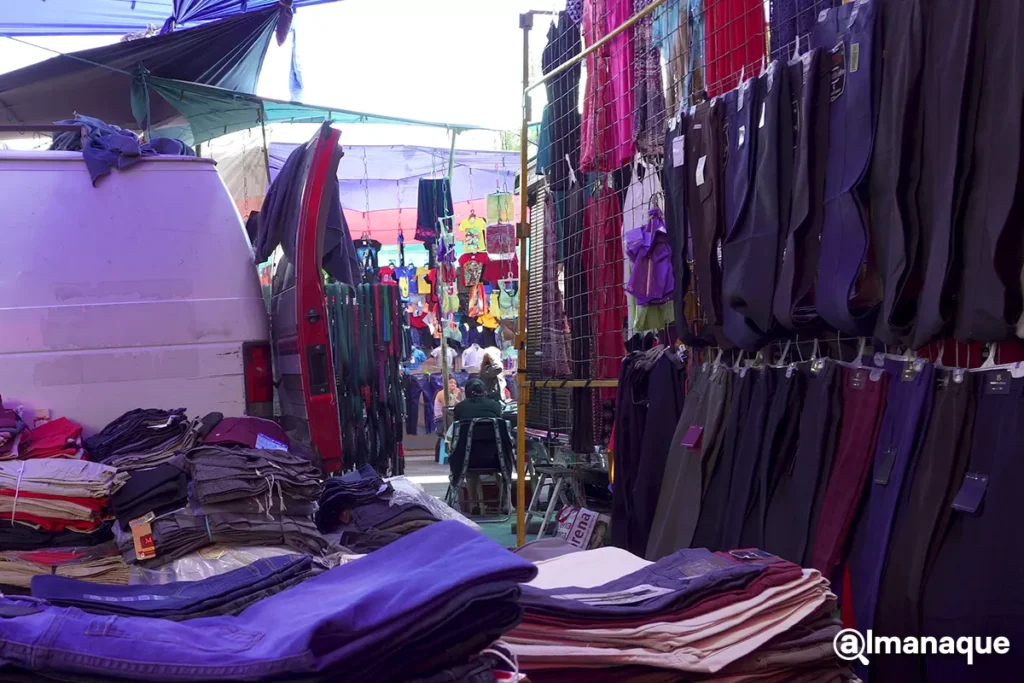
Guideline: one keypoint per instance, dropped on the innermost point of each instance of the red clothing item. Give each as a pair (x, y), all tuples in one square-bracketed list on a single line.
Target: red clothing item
[(598, 139), (57, 438), (387, 275), (471, 268), (502, 269), (734, 41), (602, 260), (621, 68)]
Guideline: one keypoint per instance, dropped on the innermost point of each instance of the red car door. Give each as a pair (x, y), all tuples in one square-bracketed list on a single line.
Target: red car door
[(300, 334)]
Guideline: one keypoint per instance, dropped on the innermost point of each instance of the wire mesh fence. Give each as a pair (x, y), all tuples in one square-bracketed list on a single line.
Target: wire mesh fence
[(609, 172)]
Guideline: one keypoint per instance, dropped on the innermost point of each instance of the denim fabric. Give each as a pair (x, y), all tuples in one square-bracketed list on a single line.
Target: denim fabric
[(417, 596), (349, 491), (670, 584), (180, 599), (417, 387), (142, 438)]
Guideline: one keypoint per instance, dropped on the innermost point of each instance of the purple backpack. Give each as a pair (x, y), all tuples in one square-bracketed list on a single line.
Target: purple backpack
[(652, 281)]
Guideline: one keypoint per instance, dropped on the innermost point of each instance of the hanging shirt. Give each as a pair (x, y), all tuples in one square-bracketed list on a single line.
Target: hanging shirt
[(422, 284), (406, 276), (472, 268), (474, 230), (502, 269), (472, 357), (387, 275), (366, 252)]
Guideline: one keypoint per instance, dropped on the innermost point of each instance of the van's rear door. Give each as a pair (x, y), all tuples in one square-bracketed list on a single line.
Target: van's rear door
[(300, 334)]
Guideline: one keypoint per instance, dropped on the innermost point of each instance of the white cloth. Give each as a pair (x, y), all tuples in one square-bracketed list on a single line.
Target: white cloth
[(587, 569), (472, 357)]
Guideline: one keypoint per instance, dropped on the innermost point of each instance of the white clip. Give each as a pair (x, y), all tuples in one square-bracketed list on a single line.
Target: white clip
[(938, 355), (991, 360), (572, 173), (796, 47), (739, 361), (858, 361)]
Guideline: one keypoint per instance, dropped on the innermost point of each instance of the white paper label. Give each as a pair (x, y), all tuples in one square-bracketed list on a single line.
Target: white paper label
[(627, 596), (761, 125), (700, 170), (678, 151), (742, 136), (265, 442)]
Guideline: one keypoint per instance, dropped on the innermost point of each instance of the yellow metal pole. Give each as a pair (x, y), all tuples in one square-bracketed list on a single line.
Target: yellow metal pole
[(525, 23)]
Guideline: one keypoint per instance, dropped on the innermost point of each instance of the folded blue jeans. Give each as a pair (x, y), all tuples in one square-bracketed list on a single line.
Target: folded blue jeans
[(400, 596)]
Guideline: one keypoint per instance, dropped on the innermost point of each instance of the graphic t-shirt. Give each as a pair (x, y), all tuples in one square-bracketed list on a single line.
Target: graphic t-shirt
[(472, 268), (502, 269), (406, 276), (387, 275), (474, 231), (422, 284)]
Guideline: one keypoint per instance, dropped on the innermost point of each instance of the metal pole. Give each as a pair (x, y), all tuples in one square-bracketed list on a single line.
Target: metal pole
[(266, 148), (525, 23), (445, 374)]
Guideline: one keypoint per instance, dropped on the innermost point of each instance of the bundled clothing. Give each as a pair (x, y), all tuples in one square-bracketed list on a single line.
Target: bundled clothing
[(99, 564), (143, 438), (60, 438)]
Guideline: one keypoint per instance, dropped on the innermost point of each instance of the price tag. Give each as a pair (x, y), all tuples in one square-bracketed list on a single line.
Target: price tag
[(142, 536), (761, 124), (700, 170), (678, 151)]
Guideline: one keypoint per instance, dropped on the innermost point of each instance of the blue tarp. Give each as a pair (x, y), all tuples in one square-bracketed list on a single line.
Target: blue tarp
[(376, 177), (99, 82), (117, 17)]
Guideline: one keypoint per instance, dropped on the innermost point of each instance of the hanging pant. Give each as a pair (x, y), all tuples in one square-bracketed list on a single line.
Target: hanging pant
[(741, 153), (810, 83), (922, 520), (864, 393), (676, 226), (679, 498), (791, 510), (423, 387), (989, 303), (895, 164), (848, 292), (708, 533), (907, 409), (946, 116), (780, 440), (748, 453), (974, 588)]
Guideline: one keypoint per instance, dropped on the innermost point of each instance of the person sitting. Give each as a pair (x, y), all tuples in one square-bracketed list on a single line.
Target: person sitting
[(454, 398), (477, 403), (490, 374)]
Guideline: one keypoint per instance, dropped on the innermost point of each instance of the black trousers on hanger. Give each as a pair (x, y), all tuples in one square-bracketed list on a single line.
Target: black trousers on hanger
[(947, 116), (804, 472), (895, 163), (989, 301), (921, 522), (974, 588), (716, 500), (794, 305)]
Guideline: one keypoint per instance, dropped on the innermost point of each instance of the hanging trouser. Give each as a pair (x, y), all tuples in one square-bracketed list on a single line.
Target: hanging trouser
[(907, 409), (946, 122), (741, 148), (413, 394), (748, 454), (974, 587), (630, 420), (848, 291), (662, 390), (705, 199), (716, 498), (921, 521), (676, 226), (803, 469), (864, 392), (680, 471), (895, 162), (680, 498), (755, 247), (989, 301), (794, 305), (780, 440)]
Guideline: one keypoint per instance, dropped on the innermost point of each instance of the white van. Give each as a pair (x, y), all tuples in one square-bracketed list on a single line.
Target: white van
[(140, 292)]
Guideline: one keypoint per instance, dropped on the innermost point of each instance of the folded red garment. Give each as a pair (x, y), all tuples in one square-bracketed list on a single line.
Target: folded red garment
[(52, 523), (94, 504), (56, 438)]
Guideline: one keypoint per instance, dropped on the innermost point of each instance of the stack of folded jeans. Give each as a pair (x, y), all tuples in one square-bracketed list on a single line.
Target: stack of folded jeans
[(236, 497), (181, 532), (11, 427), (225, 594), (99, 564), (60, 438), (158, 490), (433, 600), (706, 615), (143, 438), (57, 494), (358, 512), (21, 537)]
